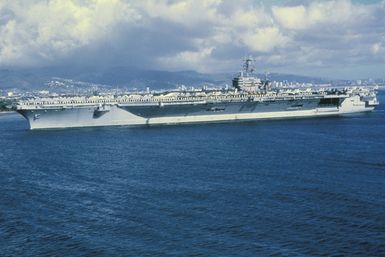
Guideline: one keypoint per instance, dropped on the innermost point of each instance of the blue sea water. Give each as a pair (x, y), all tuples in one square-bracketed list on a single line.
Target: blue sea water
[(306, 187)]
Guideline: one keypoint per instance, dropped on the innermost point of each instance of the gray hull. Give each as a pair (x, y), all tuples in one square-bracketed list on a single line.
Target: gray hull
[(179, 113)]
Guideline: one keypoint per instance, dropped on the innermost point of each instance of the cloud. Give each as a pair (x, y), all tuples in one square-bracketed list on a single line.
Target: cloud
[(265, 39), (187, 12), (332, 34), (328, 13), (189, 60), (40, 31), (291, 17), (205, 35), (378, 49)]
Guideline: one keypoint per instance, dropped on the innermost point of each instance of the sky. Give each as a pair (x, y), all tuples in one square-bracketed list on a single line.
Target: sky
[(328, 38)]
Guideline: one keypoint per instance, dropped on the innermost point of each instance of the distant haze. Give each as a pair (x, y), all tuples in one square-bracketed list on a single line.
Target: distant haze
[(333, 39)]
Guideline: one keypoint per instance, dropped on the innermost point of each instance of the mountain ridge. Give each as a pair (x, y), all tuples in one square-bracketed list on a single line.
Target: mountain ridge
[(129, 77)]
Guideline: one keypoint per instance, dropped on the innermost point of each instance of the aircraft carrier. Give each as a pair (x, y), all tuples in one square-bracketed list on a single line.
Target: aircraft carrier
[(250, 98)]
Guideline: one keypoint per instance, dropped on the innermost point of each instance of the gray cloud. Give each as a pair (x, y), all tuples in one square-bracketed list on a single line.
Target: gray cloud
[(305, 37)]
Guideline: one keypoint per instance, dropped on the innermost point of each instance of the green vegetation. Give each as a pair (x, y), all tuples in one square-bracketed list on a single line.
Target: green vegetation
[(5, 105)]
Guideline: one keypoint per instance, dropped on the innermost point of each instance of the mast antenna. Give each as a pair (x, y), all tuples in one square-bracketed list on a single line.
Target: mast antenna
[(248, 65)]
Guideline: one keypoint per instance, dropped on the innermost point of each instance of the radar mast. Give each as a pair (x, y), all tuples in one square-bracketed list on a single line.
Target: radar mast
[(248, 66)]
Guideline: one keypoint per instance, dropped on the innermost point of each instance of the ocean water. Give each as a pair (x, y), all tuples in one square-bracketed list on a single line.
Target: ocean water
[(306, 187)]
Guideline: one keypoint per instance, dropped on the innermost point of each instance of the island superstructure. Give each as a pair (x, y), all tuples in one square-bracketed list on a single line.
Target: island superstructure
[(250, 99)]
